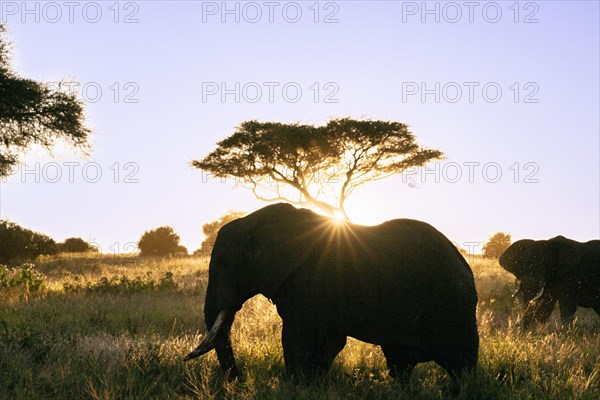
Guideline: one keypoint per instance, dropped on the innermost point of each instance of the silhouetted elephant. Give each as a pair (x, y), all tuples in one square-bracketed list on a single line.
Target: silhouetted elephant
[(558, 269), (402, 285)]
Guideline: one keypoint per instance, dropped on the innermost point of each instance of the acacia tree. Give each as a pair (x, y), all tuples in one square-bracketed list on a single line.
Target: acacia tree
[(33, 113), (316, 166)]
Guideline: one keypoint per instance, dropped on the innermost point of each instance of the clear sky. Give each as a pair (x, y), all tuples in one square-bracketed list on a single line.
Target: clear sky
[(508, 91)]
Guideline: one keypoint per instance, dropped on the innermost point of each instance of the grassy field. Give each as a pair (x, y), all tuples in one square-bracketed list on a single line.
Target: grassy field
[(105, 327)]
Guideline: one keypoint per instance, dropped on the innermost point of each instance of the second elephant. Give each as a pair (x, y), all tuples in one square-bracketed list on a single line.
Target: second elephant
[(555, 270)]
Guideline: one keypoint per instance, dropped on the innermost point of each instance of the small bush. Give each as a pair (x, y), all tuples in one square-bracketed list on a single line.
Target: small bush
[(121, 284), (76, 245), (24, 277), (161, 242)]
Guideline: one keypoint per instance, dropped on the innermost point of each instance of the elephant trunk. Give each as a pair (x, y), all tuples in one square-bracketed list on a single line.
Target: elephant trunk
[(227, 360), (220, 307)]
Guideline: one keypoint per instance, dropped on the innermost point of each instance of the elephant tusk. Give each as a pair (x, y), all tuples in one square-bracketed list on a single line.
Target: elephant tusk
[(539, 294), (208, 343), (516, 292)]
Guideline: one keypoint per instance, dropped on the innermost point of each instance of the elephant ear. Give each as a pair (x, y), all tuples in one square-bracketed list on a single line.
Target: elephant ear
[(518, 257), (277, 245)]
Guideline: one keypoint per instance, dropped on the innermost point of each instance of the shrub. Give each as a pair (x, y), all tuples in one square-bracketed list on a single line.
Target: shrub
[(24, 277), (18, 244), (76, 245), (496, 245), (161, 242), (121, 284)]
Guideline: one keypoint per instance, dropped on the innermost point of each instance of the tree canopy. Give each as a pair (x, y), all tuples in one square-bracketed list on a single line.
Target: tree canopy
[(316, 166), (33, 113)]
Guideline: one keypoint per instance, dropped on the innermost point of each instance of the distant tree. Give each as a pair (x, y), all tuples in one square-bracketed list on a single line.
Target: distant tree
[(76, 245), (303, 164), (18, 244), (211, 229), (160, 242), (33, 113), (496, 245)]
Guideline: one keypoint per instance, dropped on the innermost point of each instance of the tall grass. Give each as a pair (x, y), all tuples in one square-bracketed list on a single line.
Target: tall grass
[(88, 333)]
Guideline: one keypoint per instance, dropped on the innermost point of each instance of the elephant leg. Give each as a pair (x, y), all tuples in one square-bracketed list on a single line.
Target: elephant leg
[(400, 366), (456, 370), (308, 353), (567, 310), (457, 364), (295, 354), (333, 345)]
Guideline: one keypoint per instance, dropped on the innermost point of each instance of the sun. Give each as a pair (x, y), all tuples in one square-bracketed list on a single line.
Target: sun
[(361, 211), (339, 216)]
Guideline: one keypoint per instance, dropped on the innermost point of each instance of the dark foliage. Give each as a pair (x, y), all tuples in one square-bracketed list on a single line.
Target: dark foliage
[(18, 244), (33, 113)]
